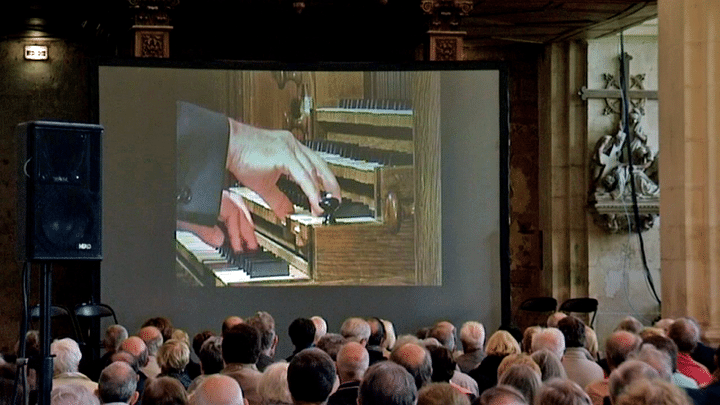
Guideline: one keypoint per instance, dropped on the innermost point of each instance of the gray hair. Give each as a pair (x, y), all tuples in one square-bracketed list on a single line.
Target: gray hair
[(117, 383), (273, 384), (355, 329), (660, 361), (67, 356), (73, 394), (627, 373), (562, 392), (114, 336), (549, 338)]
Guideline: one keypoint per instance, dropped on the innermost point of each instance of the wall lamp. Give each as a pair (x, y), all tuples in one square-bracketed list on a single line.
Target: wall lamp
[(36, 52)]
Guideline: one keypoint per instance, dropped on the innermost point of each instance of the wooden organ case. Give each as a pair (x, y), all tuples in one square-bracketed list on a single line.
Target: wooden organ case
[(378, 133)]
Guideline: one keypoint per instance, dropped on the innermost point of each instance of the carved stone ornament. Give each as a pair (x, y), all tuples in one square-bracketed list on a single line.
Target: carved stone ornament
[(152, 26), (446, 13), (611, 194)]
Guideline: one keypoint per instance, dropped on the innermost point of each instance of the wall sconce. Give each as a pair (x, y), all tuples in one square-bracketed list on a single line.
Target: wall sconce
[(36, 52)]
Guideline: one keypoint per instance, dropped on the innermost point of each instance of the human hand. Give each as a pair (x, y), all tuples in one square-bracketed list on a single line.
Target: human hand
[(237, 220), (258, 157)]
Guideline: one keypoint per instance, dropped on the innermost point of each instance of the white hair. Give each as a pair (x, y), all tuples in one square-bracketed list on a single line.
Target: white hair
[(320, 327), (472, 335), (355, 329), (73, 394), (273, 385), (67, 356), (549, 338)]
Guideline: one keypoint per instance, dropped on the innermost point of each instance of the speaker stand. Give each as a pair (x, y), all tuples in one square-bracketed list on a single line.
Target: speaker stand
[(46, 370)]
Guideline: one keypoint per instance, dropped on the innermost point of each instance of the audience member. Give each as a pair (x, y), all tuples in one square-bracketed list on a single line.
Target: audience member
[(390, 338), (444, 332), (197, 342), (192, 369), (72, 394), (273, 386), (502, 395), (524, 377), (664, 324), (550, 339), (444, 369), (218, 390), (228, 323), (550, 365), (377, 336), (311, 377), (153, 339), (667, 346), (387, 383), (416, 360), (65, 365), (652, 392), (703, 354), (114, 336), (331, 343), (139, 352), (630, 324), (211, 360), (656, 359), (579, 364), (164, 391), (172, 358), (240, 351), (352, 362), (626, 374), (302, 335), (500, 344), (686, 334), (441, 394), (513, 359), (591, 342), (265, 324), (163, 324), (619, 346), (117, 384), (554, 318), (320, 327), (356, 330), (526, 344), (472, 338), (561, 392)]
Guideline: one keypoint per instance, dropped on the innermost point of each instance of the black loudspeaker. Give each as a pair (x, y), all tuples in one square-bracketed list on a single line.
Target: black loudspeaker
[(59, 191)]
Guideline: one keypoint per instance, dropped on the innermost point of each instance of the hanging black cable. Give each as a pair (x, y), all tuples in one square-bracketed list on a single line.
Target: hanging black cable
[(22, 361), (624, 79)]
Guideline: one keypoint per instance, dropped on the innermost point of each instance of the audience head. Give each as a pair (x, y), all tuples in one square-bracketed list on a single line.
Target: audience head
[(657, 359), (443, 365), (377, 332), (72, 394), (574, 331), (502, 343), (665, 345), (152, 337), (554, 318), (524, 377), (526, 344), (173, 356), (181, 335), (302, 333), (164, 391), (653, 392), (685, 334), (67, 356), (650, 331), (273, 384), (118, 383), (356, 330), (619, 346), (561, 392), (331, 343), (502, 395), (416, 360), (352, 362), (128, 358), (320, 327), (387, 383), (229, 322), (444, 332), (199, 339), (136, 346), (217, 389), (550, 365), (241, 344), (472, 336), (163, 324), (626, 374), (664, 324), (630, 324), (210, 355), (512, 359), (550, 339), (311, 376), (441, 394), (265, 324), (390, 337), (114, 335)]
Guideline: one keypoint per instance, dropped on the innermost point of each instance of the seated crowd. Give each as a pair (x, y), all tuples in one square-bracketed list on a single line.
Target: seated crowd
[(365, 363)]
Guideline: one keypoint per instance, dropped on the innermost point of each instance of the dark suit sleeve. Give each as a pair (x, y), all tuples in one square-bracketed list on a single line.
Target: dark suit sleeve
[(202, 143)]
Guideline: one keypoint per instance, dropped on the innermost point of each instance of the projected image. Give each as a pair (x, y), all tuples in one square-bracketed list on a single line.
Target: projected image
[(304, 178)]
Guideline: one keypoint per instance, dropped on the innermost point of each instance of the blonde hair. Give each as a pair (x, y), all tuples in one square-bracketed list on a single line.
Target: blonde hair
[(502, 343), (181, 335), (655, 392), (512, 359), (591, 342), (173, 355)]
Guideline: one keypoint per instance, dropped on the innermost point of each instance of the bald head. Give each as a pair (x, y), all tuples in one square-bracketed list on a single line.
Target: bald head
[(352, 361), (229, 322), (444, 332), (217, 389), (554, 318), (320, 327), (619, 346), (416, 360), (152, 337), (136, 346)]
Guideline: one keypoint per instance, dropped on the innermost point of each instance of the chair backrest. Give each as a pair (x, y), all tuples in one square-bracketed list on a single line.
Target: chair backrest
[(583, 305), (58, 312), (539, 304), (94, 310)]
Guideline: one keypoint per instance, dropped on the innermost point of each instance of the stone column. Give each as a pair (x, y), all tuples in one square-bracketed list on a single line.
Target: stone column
[(690, 170), (563, 170)]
